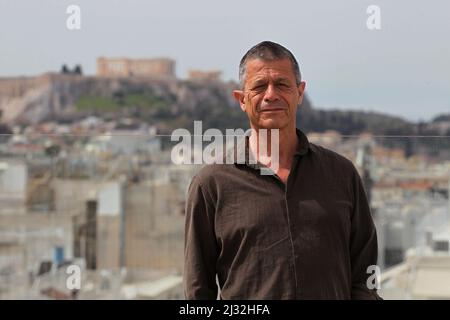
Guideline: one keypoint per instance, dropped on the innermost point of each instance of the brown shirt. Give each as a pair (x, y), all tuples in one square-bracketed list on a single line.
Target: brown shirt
[(312, 238)]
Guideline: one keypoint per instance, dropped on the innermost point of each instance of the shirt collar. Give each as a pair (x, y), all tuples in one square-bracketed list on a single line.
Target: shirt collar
[(241, 150), (303, 143)]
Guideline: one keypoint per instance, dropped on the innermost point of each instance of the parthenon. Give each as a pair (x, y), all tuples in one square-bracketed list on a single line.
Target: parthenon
[(125, 67)]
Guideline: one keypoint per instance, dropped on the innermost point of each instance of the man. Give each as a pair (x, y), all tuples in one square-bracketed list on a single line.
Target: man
[(305, 232)]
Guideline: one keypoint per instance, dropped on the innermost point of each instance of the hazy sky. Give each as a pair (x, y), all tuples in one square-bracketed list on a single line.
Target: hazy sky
[(402, 69)]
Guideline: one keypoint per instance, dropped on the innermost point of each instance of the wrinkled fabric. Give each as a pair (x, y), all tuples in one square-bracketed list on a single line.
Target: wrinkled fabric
[(250, 236)]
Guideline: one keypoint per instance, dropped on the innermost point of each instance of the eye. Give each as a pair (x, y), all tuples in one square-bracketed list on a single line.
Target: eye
[(258, 87)]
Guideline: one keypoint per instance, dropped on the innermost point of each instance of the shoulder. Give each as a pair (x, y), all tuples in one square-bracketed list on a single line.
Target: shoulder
[(211, 172), (336, 169), (330, 156), (212, 177), (332, 160)]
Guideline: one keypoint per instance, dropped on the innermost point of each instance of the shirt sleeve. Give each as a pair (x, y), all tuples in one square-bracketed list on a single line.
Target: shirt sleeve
[(363, 243), (200, 247)]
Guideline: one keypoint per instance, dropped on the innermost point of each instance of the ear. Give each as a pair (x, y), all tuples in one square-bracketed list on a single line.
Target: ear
[(239, 97), (301, 90)]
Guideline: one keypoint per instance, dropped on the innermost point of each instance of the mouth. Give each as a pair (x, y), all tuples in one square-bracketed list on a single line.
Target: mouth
[(272, 110), (275, 107)]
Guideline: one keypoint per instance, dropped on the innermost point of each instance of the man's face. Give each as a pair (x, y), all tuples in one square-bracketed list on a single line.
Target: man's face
[(270, 95)]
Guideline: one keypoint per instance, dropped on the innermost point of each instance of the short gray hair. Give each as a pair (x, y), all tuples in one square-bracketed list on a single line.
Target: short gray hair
[(268, 51)]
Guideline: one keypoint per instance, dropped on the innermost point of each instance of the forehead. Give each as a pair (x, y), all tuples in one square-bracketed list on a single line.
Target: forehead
[(258, 68)]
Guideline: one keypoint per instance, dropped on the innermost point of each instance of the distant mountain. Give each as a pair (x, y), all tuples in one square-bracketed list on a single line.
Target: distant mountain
[(441, 118)]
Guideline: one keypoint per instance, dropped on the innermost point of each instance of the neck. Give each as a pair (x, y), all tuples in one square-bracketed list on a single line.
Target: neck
[(286, 147)]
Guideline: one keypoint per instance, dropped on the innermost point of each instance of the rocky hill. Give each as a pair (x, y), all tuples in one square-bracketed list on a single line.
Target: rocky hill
[(170, 104)]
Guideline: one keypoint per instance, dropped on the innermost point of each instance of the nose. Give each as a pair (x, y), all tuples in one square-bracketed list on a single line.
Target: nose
[(271, 93)]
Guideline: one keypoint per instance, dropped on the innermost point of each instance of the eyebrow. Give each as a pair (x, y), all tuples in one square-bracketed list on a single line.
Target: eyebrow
[(264, 81), (260, 80), (277, 80)]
